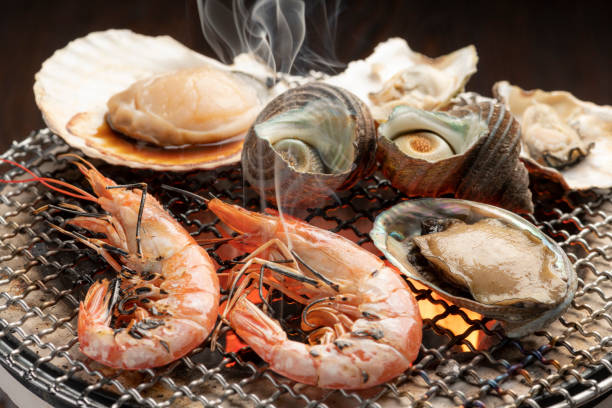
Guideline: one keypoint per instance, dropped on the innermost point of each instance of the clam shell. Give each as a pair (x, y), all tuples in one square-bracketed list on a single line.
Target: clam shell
[(268, 172), (73, 87), (592, 123), (405, 219), (488, 171), (396, 75)]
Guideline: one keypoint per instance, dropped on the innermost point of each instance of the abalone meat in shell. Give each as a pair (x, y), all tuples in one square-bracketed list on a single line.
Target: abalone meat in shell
[(395, 75), (307, 143), (480, 257), (470, 151), (565, 140), (179, 110)]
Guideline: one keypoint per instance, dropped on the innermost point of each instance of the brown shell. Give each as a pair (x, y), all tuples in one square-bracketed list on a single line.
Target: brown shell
[(489, 171), (261, 163)]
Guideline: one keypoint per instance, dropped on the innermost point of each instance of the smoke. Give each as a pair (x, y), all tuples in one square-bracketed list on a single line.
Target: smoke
[(275, 31)]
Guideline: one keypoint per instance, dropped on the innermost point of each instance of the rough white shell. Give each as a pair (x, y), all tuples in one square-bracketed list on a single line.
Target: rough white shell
[(592, 123), (81, 77), (437, 80)]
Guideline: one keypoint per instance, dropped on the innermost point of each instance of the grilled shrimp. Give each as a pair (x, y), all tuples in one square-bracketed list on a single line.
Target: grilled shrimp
[(164, 301), (364, 323)]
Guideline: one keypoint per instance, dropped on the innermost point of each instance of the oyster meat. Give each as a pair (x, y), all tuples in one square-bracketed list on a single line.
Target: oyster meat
[(471, 151), (565, 140), (395, 75), (73, 87), (307, 143), (479, 257)]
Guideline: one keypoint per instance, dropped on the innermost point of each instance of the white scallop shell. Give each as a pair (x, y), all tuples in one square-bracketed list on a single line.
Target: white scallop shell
[(81, 77), (592, 122), (450, 74)]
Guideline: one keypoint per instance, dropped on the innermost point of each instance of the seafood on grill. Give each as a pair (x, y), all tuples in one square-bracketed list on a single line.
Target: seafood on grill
[(164, 300), (150, 102), (564, 139), (364, 323), (470, 151), (479, 257), (395, 75), (307, 143)]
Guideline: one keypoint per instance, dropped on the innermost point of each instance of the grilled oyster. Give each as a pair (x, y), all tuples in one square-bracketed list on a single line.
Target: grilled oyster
[(395, 75), (471, 151), (308, 143), (565, 140), (479, 257)]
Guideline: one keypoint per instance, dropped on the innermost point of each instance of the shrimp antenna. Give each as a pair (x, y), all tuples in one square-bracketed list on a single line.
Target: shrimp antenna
[(46, 181), (187, 193), (79, 158)]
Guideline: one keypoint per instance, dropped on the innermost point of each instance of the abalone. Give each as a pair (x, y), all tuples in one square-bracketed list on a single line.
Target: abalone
[(480, 257)]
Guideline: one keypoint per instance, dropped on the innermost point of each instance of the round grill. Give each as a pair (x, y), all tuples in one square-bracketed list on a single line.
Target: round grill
[(44, 274)]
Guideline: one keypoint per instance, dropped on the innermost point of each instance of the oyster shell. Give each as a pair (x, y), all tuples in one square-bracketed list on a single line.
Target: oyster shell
[(395, 75), (74, 85), (566, 140), (307, 143), (474, 154), (533, 281)]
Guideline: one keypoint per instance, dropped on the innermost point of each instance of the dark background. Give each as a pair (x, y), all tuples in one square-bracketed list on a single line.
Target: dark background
[(535, 44)]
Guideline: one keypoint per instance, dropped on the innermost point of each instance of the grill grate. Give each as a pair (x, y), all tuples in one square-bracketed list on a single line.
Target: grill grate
[(43, 275)]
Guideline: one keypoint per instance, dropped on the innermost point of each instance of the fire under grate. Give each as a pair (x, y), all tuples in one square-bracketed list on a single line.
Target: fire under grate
[(44, 274)]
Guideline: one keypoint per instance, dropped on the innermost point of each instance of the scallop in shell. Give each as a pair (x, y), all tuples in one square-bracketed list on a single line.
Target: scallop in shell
[(471, 151), (565, 140), (479, 257), (307, 143), (396, 75), (74, 85)]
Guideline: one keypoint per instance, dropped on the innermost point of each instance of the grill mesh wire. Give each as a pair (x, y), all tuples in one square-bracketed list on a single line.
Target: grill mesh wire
[(43, 275)]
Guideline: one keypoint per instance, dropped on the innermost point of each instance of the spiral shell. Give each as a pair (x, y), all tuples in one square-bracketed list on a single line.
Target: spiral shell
[(327, 126), (481, 162)]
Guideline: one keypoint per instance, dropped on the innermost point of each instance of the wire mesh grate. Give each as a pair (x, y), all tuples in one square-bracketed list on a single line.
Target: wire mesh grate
[(43, 275)]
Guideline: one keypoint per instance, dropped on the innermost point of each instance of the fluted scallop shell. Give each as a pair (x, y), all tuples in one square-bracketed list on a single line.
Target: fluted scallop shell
[(394, 228), (396, 75), (583, 165), (483, 167), (325, 116), (73, 87)]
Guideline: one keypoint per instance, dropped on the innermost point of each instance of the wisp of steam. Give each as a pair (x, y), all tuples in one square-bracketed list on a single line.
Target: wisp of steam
[(275, 31)]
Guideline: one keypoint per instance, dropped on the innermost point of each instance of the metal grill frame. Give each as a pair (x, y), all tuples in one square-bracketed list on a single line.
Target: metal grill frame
[(570, 386)]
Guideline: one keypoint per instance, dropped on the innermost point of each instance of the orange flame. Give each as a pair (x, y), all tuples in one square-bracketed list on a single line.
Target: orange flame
[(452, 322)]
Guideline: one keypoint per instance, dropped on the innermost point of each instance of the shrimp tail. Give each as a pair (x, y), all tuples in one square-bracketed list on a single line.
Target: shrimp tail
[(268, 339), (95, 309)]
